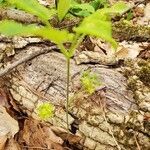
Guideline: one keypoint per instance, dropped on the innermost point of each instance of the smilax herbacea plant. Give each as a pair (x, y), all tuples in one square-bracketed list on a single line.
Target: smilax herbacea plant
[(96, 23)]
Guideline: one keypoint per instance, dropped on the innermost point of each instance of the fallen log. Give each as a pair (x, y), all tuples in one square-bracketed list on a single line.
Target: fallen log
[(44, 79)]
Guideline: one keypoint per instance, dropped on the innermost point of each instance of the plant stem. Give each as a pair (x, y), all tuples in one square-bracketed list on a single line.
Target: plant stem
[(67, 92), (63, 50), (77, 40)]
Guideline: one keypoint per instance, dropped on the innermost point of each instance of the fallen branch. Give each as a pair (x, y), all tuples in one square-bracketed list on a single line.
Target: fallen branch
[(30, 56), (133, 7), (18, 15)]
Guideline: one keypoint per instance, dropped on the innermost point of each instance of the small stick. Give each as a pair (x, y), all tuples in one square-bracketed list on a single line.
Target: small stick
[(138, 146), (10, 67), (42, 148)]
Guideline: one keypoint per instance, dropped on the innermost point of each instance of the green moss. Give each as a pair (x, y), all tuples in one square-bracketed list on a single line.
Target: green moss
[(144, 74), (89, 81), (142, 63), (132, 84), (45, 111)]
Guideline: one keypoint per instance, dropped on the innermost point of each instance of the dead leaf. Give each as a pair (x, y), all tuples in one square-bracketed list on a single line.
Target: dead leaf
[(52, 136), (8, 125), (128, 50), (3, 98), (71, 138), (12, 145), (122, 53), (3, 140), (145, 53), (35, 134)]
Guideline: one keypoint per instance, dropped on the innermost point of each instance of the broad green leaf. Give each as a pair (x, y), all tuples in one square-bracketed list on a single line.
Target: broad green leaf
[(11, 28), (82, 9), (98, 24), (33, 7), (98, 28), (99, 4), (63, 7), (57, 36), (119, 7)]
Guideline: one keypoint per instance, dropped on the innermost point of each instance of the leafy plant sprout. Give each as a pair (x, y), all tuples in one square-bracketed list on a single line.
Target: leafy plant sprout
[(97, 23), (45, 111), (89, 81)]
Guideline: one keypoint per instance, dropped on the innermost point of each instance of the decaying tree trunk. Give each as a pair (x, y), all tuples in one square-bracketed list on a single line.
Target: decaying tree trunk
[(109, 119), (44, 79)]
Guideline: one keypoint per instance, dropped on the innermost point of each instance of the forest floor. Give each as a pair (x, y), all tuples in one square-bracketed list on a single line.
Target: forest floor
[(19, 130)]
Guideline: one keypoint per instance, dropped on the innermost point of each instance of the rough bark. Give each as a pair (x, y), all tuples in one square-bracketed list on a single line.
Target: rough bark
[(44, 79)]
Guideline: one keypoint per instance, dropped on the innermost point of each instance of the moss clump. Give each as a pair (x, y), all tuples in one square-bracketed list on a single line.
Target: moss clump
[(144, 75), (132, 84)]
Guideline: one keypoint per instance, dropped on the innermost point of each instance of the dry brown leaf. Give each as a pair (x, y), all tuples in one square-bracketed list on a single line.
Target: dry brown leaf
[(145, 53), (12, 145), (3, 98), (128, 50), (8, 125), (3, 140), (71, 138), (35, 134), (52, 136)]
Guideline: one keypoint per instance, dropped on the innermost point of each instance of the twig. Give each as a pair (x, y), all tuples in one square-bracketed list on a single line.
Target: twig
[(31, 147), (9, 67), (18, 15), (138, 146), (111, 132), (131, 7)]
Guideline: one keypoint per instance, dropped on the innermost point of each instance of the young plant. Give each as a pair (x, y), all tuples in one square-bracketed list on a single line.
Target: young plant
[(89, 81), (97, 24), (86, 9), (45, 111)]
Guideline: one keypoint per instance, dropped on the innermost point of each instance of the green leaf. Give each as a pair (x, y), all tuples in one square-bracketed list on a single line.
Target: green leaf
[(82, 9), (119, 7), (33, 7), (129, 15), (1, 1), (99, 4), (57, 36), (45, 111), (11, 28), (98, 24), (63, 7), (98, 28)]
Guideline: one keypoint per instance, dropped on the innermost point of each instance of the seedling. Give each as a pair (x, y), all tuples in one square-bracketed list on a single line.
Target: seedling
[(89, 81), (86, 9), (45, 111), (97, 24)]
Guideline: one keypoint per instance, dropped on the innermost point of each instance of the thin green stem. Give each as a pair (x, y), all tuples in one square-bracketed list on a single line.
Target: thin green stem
[(77, 40), (63, 50), (67, 96)]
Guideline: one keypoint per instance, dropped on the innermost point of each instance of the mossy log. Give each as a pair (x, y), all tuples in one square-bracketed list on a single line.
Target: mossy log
[(131, 32), (44, 79)]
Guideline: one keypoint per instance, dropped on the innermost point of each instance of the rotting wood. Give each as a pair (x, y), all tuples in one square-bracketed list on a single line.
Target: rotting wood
[(46, 76)]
